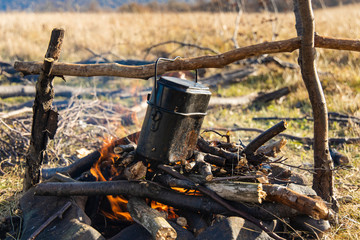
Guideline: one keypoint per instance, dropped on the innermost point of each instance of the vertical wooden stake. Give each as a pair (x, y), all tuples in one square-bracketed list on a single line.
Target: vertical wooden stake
[(44, 118), (323, 177)]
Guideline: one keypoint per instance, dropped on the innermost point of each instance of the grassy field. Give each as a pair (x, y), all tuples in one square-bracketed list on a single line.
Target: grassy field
[(25, 36)]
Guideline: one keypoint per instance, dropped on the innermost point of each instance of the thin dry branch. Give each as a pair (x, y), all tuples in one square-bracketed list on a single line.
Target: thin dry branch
[(215, 61)]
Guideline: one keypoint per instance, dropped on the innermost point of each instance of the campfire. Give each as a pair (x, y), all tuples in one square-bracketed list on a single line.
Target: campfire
[(220, 189), (168, 181)]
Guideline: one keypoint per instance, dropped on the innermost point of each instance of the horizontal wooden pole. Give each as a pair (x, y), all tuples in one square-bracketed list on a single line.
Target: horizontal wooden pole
[(215, 61)]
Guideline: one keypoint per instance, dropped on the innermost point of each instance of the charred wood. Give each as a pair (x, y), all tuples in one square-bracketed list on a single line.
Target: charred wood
[(170, 181), (216, 160), (232, 159), (44, 118), (75, 169)]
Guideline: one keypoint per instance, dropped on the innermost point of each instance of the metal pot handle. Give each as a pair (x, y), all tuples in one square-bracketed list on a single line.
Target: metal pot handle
[(155, 78)]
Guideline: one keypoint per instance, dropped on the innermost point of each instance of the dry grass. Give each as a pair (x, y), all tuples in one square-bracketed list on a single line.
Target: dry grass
[(26, 35)]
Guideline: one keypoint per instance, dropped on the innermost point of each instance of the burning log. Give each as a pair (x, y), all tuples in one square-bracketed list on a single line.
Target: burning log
[(313, 207), (238, 191), (150, 219)]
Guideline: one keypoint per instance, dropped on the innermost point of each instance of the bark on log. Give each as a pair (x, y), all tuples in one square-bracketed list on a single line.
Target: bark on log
[(44, 118), (272, 149), (315, 208), (150, 219), (238, 191), (216, 61), (264, 137)]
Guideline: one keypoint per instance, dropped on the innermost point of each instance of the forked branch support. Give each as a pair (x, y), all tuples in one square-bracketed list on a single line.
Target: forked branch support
[(215, 61)]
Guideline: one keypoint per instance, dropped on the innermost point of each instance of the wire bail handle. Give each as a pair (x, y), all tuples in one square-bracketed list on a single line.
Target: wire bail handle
[(155, 79)]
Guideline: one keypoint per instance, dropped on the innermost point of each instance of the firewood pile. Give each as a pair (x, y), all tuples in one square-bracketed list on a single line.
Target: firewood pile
[(222, 188)]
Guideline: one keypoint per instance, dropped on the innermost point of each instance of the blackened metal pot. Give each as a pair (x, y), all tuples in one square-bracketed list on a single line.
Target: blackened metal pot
[(174, 116)]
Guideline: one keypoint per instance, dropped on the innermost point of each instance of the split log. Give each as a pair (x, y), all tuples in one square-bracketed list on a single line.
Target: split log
[(216, 61), (204, 168), (264, 137), (135, 171), (44, 118), (238, 191), (313, 207), (232, 159), (272, 149), (150, 219), (249, 99)]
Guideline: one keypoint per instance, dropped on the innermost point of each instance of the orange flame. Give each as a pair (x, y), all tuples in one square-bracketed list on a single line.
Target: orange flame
[(107, 159), (187, 191), (118, 203), (164, 208)]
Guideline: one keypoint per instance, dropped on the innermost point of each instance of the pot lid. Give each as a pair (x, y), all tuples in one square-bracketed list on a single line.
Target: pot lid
[(183, 84)]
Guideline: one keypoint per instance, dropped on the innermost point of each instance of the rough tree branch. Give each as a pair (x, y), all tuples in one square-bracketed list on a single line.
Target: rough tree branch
[(215, 61), (323, 179)]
